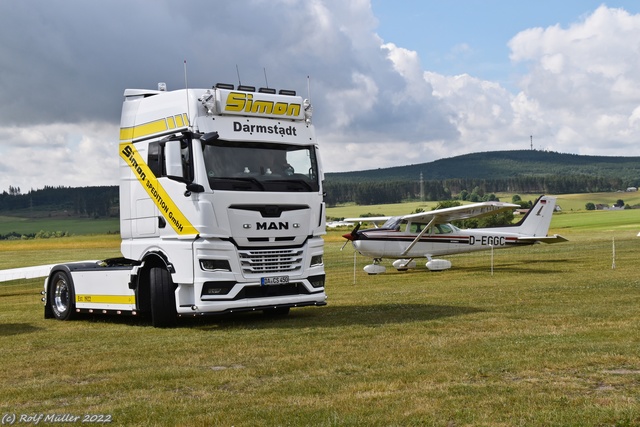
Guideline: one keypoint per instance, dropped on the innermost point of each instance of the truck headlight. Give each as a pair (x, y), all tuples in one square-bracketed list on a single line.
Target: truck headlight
[(215, 265), (316, 260)]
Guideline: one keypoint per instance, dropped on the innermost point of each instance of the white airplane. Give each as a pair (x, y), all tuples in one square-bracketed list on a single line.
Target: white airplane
[(429, 234)]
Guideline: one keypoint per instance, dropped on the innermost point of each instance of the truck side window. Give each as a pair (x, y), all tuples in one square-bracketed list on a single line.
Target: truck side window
[(154, 159), (157, 157), (187, 160)]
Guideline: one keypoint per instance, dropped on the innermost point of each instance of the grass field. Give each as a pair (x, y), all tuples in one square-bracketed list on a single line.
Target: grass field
[(549, 339), (25, 253)]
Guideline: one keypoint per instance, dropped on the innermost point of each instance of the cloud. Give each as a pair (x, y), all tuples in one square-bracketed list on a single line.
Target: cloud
[(584, 79), (69, 61), (580, 92), (74, 155)]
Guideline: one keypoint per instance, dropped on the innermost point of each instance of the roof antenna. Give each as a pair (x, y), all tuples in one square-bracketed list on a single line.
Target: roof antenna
[(309, 88), (186, 86), (238, 73), (265, 77)]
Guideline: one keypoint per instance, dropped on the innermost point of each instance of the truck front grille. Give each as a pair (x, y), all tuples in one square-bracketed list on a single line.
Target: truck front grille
[(270, 261)]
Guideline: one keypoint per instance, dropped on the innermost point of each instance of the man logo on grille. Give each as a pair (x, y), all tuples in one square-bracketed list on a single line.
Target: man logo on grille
[(272, 225)]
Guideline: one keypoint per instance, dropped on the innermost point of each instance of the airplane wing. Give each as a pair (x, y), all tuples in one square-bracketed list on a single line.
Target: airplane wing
[(446, 215), (456, 213), (376, 220), (556, 238), (25, 272)]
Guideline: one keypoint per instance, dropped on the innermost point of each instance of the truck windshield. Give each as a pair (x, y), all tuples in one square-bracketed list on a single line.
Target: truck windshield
[(251, 166)]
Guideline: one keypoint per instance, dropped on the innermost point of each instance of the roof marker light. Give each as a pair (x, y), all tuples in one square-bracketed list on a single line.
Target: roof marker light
[(209, 102), (308, 111)]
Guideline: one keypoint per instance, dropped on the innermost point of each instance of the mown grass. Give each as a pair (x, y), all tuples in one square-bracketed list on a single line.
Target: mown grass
[(550, 338)]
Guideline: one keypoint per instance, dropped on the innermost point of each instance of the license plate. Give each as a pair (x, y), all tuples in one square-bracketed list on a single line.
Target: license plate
[(277, 280)]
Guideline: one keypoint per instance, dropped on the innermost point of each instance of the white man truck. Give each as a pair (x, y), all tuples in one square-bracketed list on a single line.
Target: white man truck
[(221, 210)]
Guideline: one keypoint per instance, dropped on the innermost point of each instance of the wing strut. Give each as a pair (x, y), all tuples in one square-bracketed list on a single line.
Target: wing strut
[(412, 244)]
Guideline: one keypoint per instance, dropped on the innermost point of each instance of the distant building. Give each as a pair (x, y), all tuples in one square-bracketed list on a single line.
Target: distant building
[(602, 207), (632, 189)]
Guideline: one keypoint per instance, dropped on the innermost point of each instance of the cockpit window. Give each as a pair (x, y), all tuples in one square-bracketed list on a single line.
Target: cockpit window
[(398, 224), (394, 223), (253, 166)]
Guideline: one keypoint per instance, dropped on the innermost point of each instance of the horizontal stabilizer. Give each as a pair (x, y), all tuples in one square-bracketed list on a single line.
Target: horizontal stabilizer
[(556, 238), (368, 219)]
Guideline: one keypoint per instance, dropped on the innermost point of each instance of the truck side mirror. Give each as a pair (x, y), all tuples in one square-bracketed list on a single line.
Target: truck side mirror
[(173, 159)]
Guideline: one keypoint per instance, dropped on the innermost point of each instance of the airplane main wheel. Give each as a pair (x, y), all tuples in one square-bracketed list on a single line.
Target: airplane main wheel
[(163, 298), (62, 296)]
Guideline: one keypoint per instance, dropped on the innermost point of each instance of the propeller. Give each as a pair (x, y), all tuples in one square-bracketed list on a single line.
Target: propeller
[(351, 236)]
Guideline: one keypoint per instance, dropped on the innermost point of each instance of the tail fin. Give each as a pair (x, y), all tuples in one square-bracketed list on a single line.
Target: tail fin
[(536, 222)]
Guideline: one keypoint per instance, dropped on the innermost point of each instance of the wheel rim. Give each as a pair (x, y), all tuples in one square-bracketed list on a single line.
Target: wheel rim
[(61, 295)]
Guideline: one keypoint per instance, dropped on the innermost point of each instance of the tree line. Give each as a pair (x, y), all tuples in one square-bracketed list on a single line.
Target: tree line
[(78, 201), (378, 192)]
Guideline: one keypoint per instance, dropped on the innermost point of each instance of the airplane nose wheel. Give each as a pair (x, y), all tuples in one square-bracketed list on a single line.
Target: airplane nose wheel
[(375, 268)]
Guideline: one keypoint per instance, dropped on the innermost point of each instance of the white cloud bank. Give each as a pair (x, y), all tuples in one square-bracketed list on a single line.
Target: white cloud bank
[(374, 103)]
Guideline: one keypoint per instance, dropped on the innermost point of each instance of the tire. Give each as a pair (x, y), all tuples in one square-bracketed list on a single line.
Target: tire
[(62, 296), (163, 298)]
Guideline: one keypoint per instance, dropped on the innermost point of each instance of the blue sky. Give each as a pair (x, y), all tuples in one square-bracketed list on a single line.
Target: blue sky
[(393, 82), (471, 36)]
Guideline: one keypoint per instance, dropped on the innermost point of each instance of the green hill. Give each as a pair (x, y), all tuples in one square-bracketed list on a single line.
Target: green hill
[(524, 171), (502, 165)]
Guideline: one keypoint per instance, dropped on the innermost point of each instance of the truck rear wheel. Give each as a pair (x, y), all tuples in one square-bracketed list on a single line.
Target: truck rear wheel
[(163, 298), (62, 296)]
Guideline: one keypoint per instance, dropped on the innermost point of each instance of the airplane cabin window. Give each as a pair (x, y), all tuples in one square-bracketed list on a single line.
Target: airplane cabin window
[(417, 227), (442, 229)]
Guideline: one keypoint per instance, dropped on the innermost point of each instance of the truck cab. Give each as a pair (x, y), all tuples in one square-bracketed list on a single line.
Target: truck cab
[(221, 209)]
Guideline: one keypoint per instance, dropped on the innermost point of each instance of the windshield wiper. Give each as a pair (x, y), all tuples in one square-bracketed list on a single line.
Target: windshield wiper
[(293, 181), (245, 179)]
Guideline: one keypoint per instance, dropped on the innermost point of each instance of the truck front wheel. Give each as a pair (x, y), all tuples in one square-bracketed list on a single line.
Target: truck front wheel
[(62, 296), (163, 298)]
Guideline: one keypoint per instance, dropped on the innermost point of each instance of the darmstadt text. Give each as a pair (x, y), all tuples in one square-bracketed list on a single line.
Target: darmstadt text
[(272, 130)]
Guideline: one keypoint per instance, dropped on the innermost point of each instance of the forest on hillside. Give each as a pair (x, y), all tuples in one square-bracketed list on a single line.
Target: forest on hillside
[(93, 202), (378, 192), (520, 171), (502, 165)]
